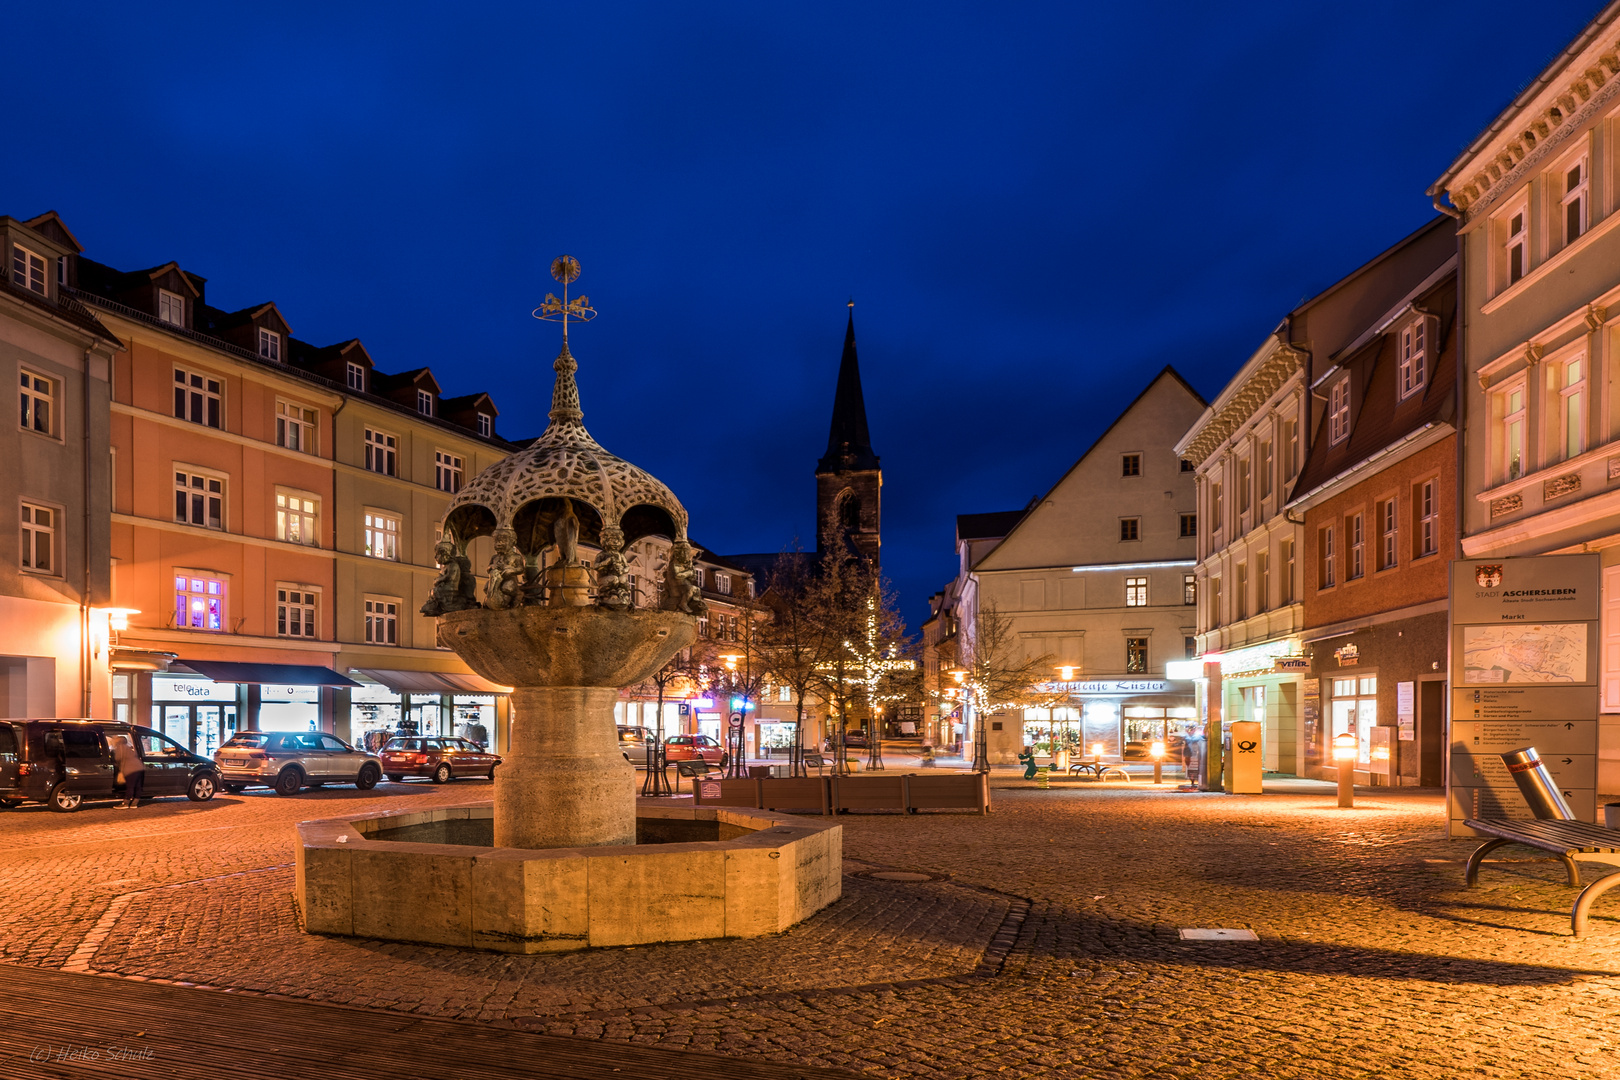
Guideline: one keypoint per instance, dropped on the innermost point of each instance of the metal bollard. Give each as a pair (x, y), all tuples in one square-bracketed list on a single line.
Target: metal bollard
[(1536, 785)]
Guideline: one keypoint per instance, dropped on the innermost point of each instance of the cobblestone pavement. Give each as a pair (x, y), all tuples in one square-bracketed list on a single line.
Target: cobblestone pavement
[(1372, 959)]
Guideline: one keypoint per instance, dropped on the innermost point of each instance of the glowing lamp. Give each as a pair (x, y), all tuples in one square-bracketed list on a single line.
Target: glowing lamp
[(1157, 749), (1066, 673), (1096, 749), (1344, 747), (118, 617), (1380, 753), (959, 675)]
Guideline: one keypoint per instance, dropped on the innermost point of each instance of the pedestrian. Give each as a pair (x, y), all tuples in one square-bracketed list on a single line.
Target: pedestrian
[(133, 770), (928, 755)]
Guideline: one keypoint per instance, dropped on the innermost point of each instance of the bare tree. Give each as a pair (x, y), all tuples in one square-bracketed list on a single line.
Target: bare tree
[(796, 642), (993, 674), (686, 669)]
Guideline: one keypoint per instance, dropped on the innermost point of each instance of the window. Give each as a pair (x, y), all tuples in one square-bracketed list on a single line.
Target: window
[(196, 398), (424, 403), (1132, 465), (62, 270), (1136, 592), (1426, 507), (1130, 529), (1290, 449), (1355, 534), (1386, 513), (38, 402), (1339, 411), (1513, 432), (703, 626), (1285, 551), (382, 535), (1324, 575), (199, 500), (295, 427), (199, 602), (446, 471), (295, 613), (1217, 508), (1189, 524), (171, 308), (784, 693), (1573, 199), (27, 269), (1240, 594), (486, 425), (722, 582), (1214, 601), (697, 576), (1572, 407), (1189, 646), (1189, 588), (1262, 581), (1353, 710), (38, 539), (382, 622), (357, 377), (297, 519), (380, 452), (269, 345), (1136, 655), (1514, 229), (1186, 465), (1262, 468), (1414, 357), (1243, 485)]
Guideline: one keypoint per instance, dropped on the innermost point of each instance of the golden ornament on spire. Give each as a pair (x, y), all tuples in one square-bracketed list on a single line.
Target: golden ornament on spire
[(565, 269)]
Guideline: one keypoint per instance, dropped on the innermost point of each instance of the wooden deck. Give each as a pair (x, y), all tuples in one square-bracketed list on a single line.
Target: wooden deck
[(52, 1021)]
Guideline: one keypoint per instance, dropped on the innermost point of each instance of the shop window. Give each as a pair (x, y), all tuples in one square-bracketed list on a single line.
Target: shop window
[(197, 398), (38, 539), (381, 453), (382, 622), (295, 427), (382, 535), (297, 518), (38, 403), (199, 602), (446, 471), (199, 500), (1354, 709), (295, 613), (1136, 592), (1136, 655)]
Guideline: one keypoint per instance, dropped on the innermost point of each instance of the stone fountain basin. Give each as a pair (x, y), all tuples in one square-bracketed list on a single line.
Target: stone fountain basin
[(566, 646), (432, 876)]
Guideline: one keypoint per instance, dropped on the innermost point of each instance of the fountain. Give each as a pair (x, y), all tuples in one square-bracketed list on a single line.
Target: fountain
[(564, 859)]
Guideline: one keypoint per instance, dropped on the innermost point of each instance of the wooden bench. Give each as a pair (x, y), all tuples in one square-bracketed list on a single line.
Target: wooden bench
[(1569, 841), (692, 770)]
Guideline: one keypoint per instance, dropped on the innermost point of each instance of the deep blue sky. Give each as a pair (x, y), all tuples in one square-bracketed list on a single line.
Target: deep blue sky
[(1034, 206)]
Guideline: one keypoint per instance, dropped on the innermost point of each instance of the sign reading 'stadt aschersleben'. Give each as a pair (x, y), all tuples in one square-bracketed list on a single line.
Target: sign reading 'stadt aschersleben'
[(1524, 672)]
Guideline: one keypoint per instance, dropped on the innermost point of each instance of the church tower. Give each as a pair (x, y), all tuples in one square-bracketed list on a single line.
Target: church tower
[(849, 479)]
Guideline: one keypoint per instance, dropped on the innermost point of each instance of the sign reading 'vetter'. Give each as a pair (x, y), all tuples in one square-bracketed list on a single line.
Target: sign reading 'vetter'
[(1524, 659)]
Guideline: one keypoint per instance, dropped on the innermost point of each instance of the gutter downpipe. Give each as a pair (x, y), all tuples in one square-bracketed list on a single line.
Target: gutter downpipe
[(85, 665)]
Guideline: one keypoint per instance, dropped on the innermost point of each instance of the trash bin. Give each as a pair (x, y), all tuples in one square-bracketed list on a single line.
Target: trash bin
[(1537, 785)]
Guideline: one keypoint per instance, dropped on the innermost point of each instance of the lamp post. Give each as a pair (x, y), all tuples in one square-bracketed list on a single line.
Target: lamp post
[(737, 767), (1060, 758), (1157, 750), (1344, 752)]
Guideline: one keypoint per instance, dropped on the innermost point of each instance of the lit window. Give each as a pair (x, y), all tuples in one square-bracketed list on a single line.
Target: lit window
[(1339, 411), (1189, 589), (1387, 518), (27, 269), (380, 452), (1427, 508), (199, 500), (38, 538), (1512, 404), (1325, 567), (295, 427), (38, 402), (446, 471), (424, 403), (1189, 524), (199, 603), (784, 693), (382, 536), (382, 622), (1136, 655), (486, 425), (1414, 355), (1132, 465), (357, 377), (1573, 200), (722, 582), (297, 519), (171, 308), (1130, 529), (1355, 533), (1136, 592), (196, 398), (1572, 414), (270, 345), (295, 613)]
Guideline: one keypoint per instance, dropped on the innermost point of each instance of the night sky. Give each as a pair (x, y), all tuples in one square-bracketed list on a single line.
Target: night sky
[(1035, 207)]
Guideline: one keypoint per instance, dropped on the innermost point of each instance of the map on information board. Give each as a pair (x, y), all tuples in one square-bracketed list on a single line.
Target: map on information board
[(1493, 655)]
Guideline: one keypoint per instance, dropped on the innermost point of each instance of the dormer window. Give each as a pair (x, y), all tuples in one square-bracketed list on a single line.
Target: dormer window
[(722, 583), (27, 269), (1414, 368), (270, 345), (697, 576), (424, 402), (357, 377), (1339, 411), (171, 308), (486, 425)]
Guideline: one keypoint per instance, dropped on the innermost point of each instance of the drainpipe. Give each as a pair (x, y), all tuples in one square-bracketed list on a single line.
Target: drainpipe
[(85, 666)]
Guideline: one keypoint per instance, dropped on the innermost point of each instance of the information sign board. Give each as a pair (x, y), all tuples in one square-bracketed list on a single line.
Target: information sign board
[(1524, 659), (1405, 712)]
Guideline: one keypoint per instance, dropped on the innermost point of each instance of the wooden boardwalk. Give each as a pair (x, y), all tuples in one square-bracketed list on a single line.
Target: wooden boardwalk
[(57, 1024)]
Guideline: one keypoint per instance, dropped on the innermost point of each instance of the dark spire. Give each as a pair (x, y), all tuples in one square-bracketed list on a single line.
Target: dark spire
[(849, 444)]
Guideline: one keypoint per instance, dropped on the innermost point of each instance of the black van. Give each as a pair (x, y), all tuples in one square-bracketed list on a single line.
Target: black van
[(66, 762)]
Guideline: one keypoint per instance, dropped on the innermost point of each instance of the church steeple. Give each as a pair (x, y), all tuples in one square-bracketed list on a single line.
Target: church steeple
[(849, 477)]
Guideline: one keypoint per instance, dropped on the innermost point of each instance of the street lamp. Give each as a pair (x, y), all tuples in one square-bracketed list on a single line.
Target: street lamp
[(1344, 752), (1157, 751)]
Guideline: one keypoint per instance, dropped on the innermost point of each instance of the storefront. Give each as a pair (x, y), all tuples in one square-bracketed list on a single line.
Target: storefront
[(1107, 718), (195, 712), (387, 703), (1261, 683), (202, 703)]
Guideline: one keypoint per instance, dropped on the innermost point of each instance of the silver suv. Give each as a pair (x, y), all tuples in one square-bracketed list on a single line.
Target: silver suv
[(290, 760)]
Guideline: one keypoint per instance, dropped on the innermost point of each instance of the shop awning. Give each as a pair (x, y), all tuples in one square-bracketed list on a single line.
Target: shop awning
[(231, 671), (431, 682)]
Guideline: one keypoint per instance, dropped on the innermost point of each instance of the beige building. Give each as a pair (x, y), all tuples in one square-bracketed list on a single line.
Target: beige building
[(1538, 193)]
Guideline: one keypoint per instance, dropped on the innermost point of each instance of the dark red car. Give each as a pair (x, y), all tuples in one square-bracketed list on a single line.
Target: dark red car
[(693, 748), (438, 759)]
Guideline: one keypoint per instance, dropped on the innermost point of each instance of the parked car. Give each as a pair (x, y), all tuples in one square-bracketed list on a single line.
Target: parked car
[(854, 740), (695, 748), (288, 761), (65, 763), (633, 743), (440, 760)]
